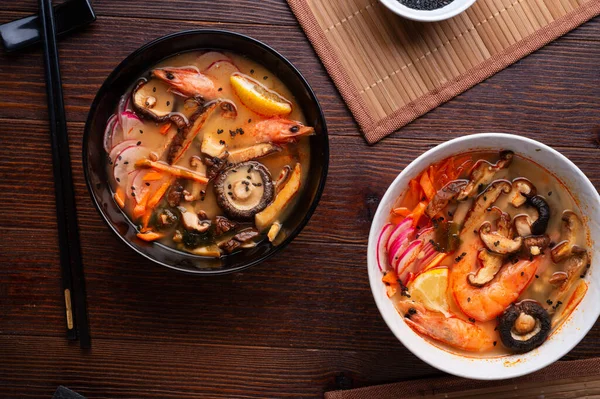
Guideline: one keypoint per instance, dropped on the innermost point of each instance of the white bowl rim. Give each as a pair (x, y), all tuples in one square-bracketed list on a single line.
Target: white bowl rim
[(517, 368), (439, 14)]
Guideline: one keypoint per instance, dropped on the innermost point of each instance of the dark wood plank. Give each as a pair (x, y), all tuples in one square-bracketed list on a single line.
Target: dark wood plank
[(550, 95), (113, 370), (273, 12)]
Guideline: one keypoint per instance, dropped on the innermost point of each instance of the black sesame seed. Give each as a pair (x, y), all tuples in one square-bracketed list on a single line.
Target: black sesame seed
[(141, 131), (549, 302), (170, 76), (168, 103), (295, 129), (147, 184), (229, 186), (472, 320), (203, 192), (219, 131), (469, 299), (154, 89), (221, 142), (139, 142), (495, 343), (252, 71), (220, 89), (118, 180), (120, 157), (265, 77), (126, 163), (249, 120), (522, 273), (133, 194), (536, 276), (248, 177), (549, 193)]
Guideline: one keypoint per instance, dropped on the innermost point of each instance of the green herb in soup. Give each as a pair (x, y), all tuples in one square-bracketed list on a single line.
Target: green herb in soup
[(485, 253), (207, 153)]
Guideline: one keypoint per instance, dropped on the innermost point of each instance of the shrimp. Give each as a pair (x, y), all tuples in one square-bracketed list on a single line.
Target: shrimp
[(280, 130), (487, 302), (187, 82), (451, 330)]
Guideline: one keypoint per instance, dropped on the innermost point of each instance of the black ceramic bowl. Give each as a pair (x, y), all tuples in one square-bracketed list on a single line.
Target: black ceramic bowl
[(95, 158)]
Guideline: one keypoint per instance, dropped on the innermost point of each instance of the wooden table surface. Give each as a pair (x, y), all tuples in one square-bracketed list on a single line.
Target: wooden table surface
[(297, 325)]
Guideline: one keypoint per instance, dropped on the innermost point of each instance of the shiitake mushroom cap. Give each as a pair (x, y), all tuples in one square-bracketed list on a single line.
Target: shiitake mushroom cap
[(226, 201), (511, 339)]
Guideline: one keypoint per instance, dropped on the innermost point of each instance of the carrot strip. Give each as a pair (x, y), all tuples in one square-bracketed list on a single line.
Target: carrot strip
[(158, 195), (418, 212), (146, 220), (152, 176), (165, 128), (140, 207), (150, 236), (427, 185), (401, 211), (176, 171), (120, 198), (390, 279)]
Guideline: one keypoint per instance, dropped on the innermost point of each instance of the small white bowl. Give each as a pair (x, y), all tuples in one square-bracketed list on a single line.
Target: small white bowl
[(573, 329), (440, 14)]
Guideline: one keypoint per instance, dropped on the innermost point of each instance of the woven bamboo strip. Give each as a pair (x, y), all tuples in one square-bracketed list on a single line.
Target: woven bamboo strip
[(391, 64)]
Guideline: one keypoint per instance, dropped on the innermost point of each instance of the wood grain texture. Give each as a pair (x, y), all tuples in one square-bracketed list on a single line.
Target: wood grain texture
[(294, 326)]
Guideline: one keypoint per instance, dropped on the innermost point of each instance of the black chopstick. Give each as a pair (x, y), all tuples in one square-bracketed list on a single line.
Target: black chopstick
[(68, 232)]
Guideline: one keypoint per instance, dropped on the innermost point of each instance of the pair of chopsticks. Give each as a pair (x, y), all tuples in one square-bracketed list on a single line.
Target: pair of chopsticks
[(73, 282)]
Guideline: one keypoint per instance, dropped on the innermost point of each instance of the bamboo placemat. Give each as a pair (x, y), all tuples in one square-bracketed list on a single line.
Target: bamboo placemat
[(391, 70), (574, 379)]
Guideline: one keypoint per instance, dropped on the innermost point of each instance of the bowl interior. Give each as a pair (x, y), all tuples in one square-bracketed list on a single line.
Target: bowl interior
[(127, 73), (560, 342), (449, 11)]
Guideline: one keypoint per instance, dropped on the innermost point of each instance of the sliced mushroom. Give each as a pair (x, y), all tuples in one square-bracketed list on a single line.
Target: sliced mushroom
[(283, 177), (175, 194), (498, 243), (522, 189), (484, 202), (522, 225), (443, 196), (535, 245), (541, 223), (524, 326), (575, 267), (483, 173), (213, 148), (224, 225), (504, 225), (252, 152), (491, 263), (192, 222), (558, 278), (152, 98), (570, 230), (196, 191), (244, 190)]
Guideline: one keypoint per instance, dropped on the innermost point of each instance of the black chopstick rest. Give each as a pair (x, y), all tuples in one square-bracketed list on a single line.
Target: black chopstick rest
[(25, 32)]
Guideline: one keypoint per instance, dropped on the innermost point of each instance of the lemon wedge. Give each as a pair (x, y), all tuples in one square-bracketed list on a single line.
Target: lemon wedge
[(259, 98), (429, 288)]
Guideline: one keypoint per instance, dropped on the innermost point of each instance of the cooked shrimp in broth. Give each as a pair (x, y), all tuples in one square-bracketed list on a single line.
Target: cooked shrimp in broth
[(195, 148), (485, 254)]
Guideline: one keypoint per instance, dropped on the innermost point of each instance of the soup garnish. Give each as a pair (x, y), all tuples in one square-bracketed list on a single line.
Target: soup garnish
[(192, 150), (485, 253)]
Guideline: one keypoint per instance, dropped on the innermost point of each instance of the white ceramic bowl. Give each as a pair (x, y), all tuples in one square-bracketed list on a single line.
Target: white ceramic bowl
[(574, 328), (449, 11)]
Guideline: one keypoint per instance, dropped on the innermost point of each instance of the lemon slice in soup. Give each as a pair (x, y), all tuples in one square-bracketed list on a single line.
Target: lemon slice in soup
[(259, 98), (429, 288)]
